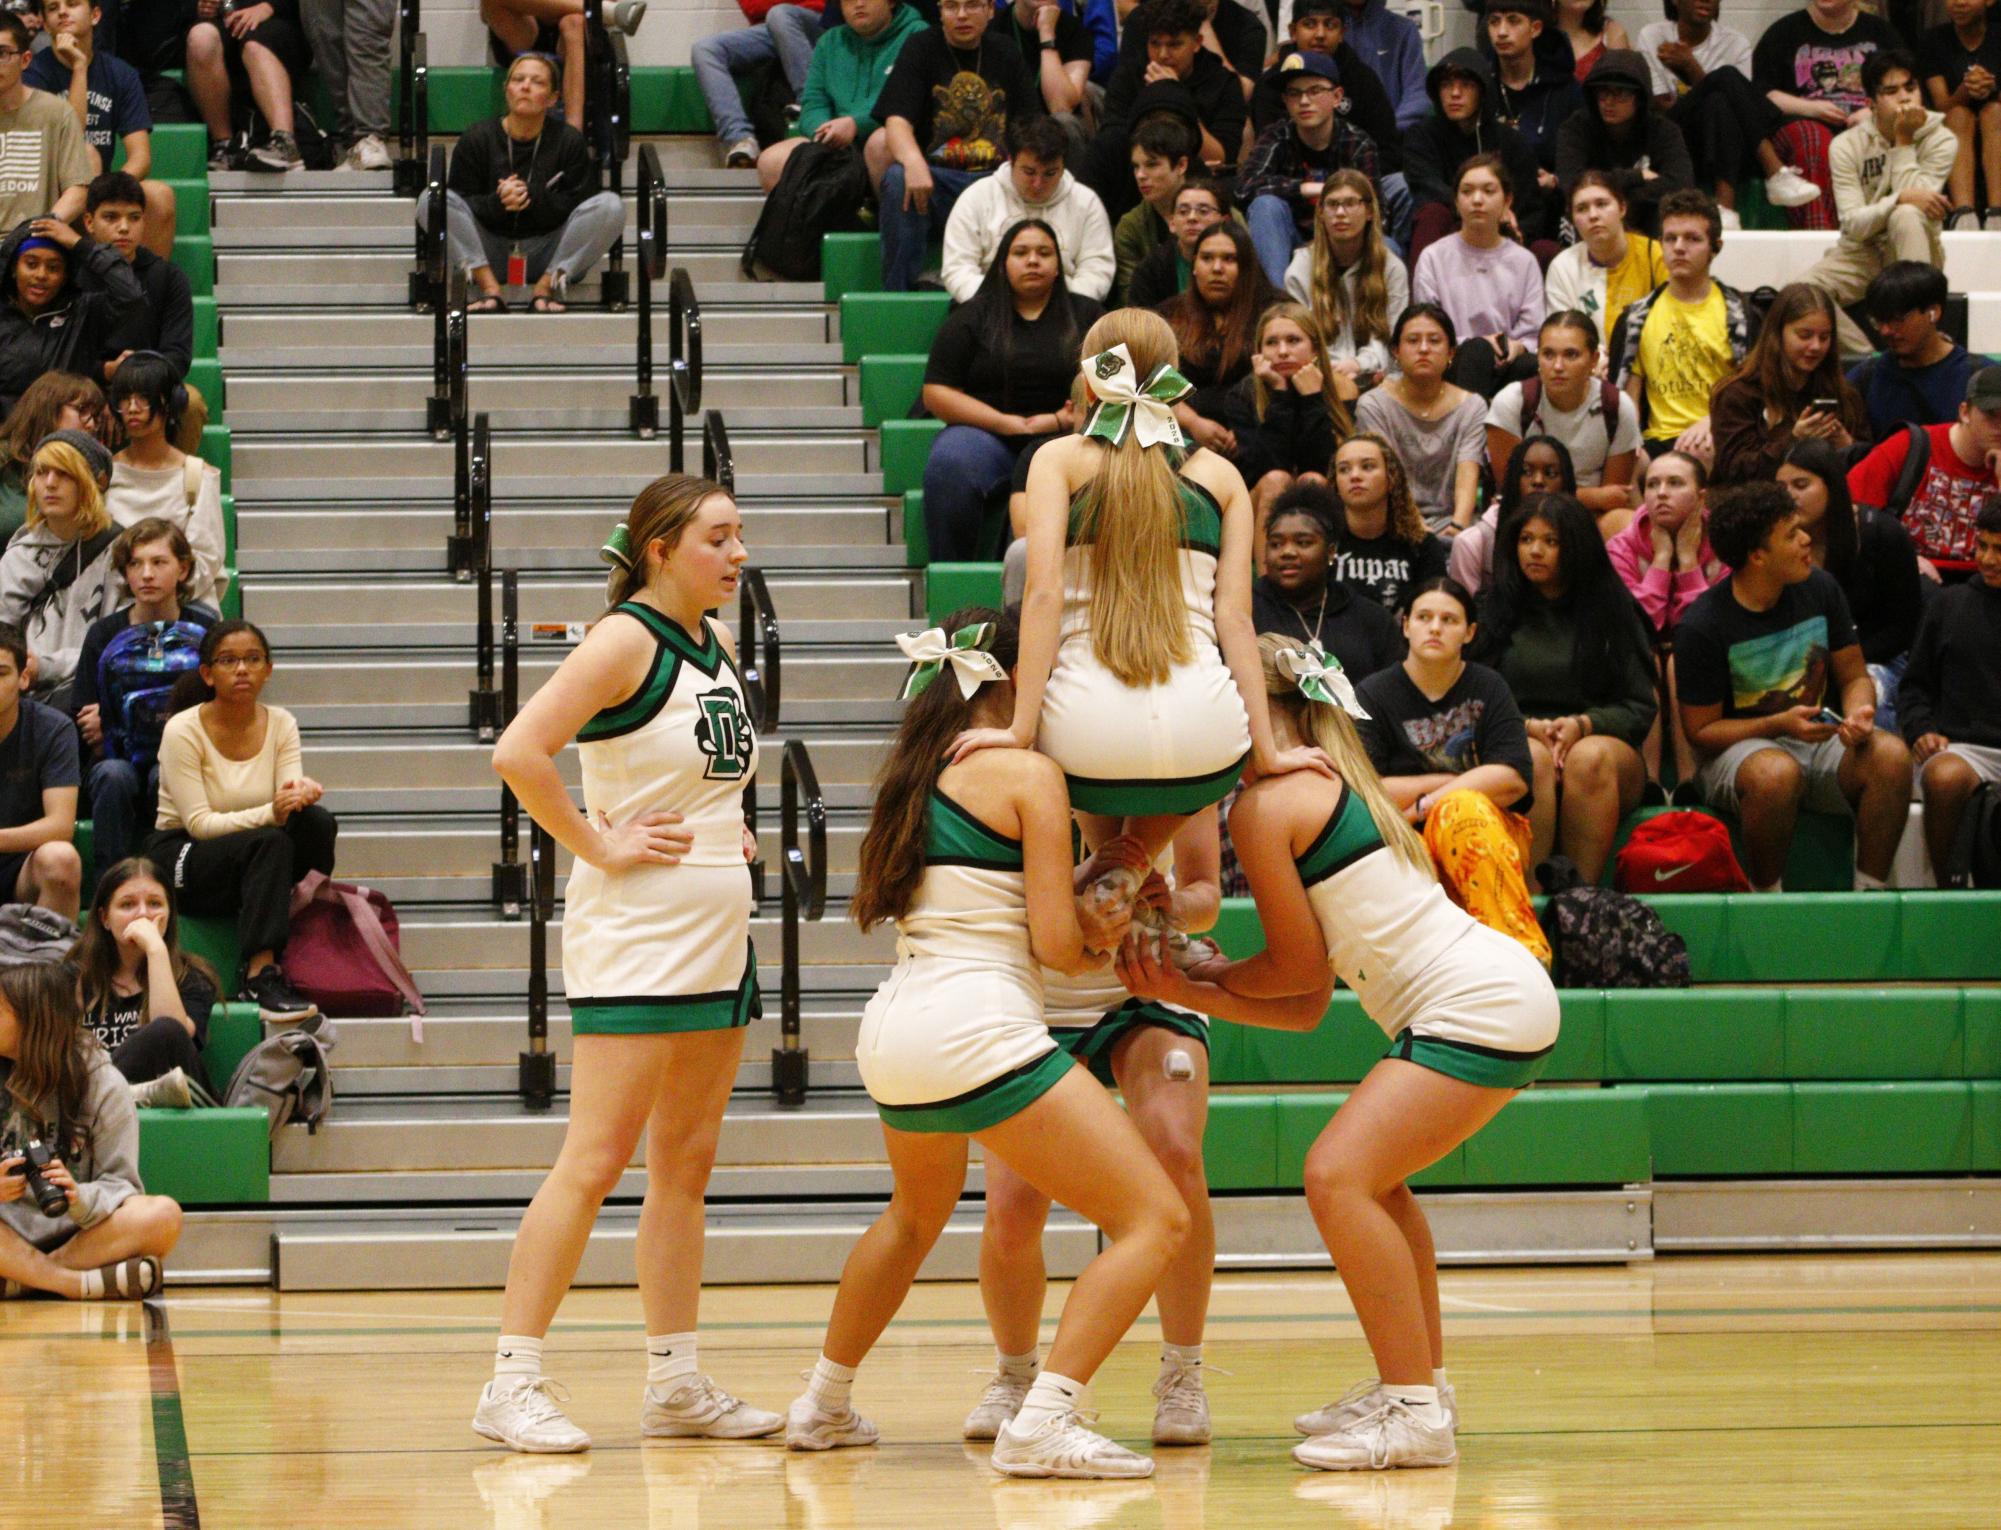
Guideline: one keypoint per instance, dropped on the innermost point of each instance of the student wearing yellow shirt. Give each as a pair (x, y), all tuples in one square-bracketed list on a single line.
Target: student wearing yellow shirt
[(1609, 266)]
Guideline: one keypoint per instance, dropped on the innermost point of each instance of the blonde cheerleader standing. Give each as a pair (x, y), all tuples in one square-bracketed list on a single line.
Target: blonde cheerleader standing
[(657, 963), (1345, 888)]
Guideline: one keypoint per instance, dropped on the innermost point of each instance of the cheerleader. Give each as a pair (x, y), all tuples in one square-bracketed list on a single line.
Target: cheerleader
[(972, 860), (1345, 888), (657, 962)]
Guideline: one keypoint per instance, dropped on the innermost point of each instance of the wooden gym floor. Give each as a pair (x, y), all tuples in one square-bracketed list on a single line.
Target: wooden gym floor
[(1856, 1390)]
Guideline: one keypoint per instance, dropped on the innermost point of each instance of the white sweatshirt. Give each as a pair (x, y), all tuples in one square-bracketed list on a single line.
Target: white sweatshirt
[(136, 493), (991, 206), (1869, 173)]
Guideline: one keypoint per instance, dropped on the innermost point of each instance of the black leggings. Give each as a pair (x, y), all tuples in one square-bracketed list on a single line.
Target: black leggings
[(1724, 119), (156, 1048), (249, 873), (1476, 368)]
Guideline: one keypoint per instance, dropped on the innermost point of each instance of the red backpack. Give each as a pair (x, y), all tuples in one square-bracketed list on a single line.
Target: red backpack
[(343, 953), (1680, 853)]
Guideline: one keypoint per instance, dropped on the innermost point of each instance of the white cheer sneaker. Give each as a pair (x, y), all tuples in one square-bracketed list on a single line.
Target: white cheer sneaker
[(701, 1408), (810, 1427), (1362, 1399), (997, 1406), (522, 1413), (1181, 1414), (1391, 1436), (1063, 1447)]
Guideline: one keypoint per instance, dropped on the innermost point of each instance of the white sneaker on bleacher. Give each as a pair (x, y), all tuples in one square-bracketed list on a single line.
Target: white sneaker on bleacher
[(1063, 1447), (1790, 189), (1389, 1436), (522, 1413), (700, 1408), (1359, 1401), (997, 1406)]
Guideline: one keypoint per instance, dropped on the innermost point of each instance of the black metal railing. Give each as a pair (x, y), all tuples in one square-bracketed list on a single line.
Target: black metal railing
[(804, 897), (538, 1063), (445, 412), (510, 878), (427, 276), (718, 463), (684, 364), (484, 701), (608, 129), (644, 413), (757, 658), (413, 87)]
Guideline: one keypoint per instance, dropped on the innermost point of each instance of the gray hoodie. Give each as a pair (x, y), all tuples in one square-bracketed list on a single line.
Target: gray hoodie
[(55, 623), (100, 1148)]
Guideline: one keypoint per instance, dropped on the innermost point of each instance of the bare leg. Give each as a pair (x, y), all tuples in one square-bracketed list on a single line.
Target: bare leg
[(1959, 181), (26, 1265), (1013, 1276), (208, 79), (1171, 1115), (1410, 1219), (681, 1137), (144, 1224), (1602, 778), (162, 216), (1154, 830), (571, 40), (1990, 149), (930, 1170), (1876, 779), (1542, 811), (52, 876), (771, 163), (1769, 788), (270, 86), (1949, 785)]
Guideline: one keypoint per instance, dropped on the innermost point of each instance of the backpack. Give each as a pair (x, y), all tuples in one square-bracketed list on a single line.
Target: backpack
[(287, 1075), (1917, 459), (135, 686), (822, 192), (32, 936), (1976, 849), (344, 955), (1680, 853), (1599, 938), (1608, 402)]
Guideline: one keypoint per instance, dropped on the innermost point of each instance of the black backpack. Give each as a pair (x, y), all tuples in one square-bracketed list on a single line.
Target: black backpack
[(1976, 849), (1599, 938), (822, 192)]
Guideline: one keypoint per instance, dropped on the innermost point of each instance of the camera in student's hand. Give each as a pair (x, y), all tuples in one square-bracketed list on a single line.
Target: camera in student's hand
[(36, 1157)]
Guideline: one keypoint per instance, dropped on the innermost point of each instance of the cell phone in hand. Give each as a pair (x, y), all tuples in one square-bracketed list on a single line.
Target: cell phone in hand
[(1826, 406), (1829, 716)]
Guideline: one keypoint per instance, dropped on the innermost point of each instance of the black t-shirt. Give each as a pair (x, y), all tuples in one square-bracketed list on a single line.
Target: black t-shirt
[(1240, 33), (1384, 567), (39, 752), (1475, 723), (1360, 633), (1073, 44), (1799, 58), (1941, 56), (1032, 377), (957, 101), (1758, 663), (119, 1016)]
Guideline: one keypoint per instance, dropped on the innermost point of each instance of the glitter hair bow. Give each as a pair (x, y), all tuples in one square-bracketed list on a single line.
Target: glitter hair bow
[(966, 651), (1320, 678), (1127, 406)]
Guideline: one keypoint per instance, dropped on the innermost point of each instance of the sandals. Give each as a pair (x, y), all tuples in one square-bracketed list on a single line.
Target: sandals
[(488, 302), (544, 302), (131, 1279)]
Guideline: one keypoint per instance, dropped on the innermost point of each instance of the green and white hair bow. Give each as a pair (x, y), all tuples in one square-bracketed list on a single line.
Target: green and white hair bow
[(1320, 678), (1128, 406), (966, 651)]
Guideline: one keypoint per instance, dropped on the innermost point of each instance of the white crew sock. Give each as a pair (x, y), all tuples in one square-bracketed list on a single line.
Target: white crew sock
[(93, 1285), (1778, 886), (670, 1358), (517, 1354), (1422, 1401), (1051, 1395), (1187, 1356), (1438, 1378), (830, 1385), (1018, 1367), (1866, 883)]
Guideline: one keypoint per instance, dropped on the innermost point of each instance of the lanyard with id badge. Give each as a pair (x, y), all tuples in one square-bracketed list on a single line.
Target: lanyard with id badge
[(517, 262)]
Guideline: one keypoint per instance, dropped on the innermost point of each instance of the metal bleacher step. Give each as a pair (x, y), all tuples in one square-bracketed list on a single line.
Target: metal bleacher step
[(741, 327), (450, 848), (465, 940), (353, 218), (262, 276)]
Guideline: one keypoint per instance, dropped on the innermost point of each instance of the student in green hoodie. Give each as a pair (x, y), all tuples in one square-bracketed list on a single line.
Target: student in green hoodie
[(850, 64)]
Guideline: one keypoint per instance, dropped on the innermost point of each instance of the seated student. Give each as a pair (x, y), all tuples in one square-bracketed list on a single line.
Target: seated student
[(1561, 630), (1673, 347), (56, 576), (952, 92), (48, 321), (1215, 329), (54, 401), (1809, 65), (1960, 64), (165, 323), (1449, 743), (1162, 46), (1300, 595), (1465, 122), (110, 102), (1584, 25), (1057, 53), (49, 163), (1701, 78), (1390, 44), (1490, 286), (1887, 171), (1950, 697), (39, 777), (1381, 545), (851, 64), (146, 1000), (1161, 154), (1320, 26), (151, 478), (1871, 557), (107, 1244), (1610, 266), (1620, 133), (999, 377), (783, 34), (555, 29), (1350, 279), (259, 50), (240, 821), (1920, 375), (1287, 416), (350, 40), (1598, 425), (1435, 427), (123, 785), (1032, 184), (1282, 178), (1168, 270), (1958, 476), (1536, 465), (1764, 661), (1536, 95), (1789, 387)]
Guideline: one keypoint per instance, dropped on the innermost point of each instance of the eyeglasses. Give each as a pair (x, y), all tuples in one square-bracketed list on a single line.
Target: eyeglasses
[(8, 55), (238, 661), (1309, 93), (1345, 204)]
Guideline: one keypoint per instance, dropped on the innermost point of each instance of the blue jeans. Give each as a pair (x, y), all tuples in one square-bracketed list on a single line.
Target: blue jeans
[(788, 33), (966, 467), (1274, 235), (592, 228), (122, 803), (907, 235), (1887, 677)]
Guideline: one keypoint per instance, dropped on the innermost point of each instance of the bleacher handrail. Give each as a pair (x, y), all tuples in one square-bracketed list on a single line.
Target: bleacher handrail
[(484, 702), (644, 411), (758, 647), (804, 897), (414, 100), (445, 412), (538, 1063), (684, 362), (427, 276), (718, 463), (510, 883)]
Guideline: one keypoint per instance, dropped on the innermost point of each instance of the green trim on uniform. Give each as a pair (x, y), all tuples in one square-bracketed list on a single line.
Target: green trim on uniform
[(1489, 1067), (1142, 798), (993, 1102), (1201, 520), (632, 715), (667, 1014), (1350, 834), (954, 837), (1092, 1045), (707, 656)]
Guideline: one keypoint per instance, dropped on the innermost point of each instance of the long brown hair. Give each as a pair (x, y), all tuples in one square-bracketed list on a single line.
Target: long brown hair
[(1131, 513), (95, 955), (1218, 339), (39, 407), (1298, 313), (892, 853), (1333, 730), (1371, 319), (661, 513), (1406, 521), (52, 1070), (1765, 362)]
